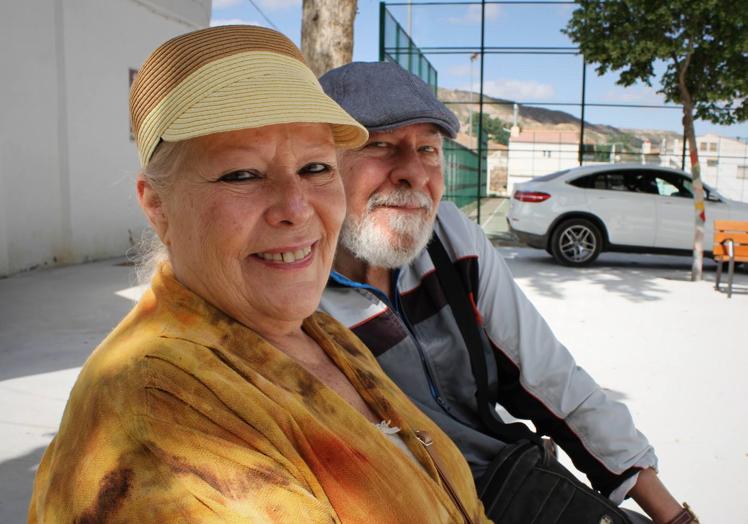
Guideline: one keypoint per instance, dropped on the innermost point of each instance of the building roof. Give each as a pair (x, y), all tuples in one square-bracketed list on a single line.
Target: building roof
[(546, 137)]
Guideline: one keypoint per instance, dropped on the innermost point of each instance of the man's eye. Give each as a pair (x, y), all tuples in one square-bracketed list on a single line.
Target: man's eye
[(238, 176), (428, 149), (315, 168), (377, 144)]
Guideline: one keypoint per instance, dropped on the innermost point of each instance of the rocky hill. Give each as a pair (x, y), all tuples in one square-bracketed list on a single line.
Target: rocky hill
[(534, 118)]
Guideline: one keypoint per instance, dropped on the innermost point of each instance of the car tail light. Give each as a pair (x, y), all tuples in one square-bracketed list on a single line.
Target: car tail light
[(531, 196)]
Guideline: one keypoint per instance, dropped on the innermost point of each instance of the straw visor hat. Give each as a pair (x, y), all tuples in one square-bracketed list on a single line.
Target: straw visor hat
[(229, 78)]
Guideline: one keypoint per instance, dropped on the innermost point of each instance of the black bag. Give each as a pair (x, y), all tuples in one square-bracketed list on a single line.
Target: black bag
[(524, 483)]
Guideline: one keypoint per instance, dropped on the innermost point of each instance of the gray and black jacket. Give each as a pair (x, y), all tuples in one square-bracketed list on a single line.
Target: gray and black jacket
[(418, 344)]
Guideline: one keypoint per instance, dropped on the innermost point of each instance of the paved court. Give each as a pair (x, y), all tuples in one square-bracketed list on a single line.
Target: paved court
[(668, 347)]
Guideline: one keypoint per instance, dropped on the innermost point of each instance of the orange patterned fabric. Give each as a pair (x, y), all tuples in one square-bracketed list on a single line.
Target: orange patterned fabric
[(184, 415)]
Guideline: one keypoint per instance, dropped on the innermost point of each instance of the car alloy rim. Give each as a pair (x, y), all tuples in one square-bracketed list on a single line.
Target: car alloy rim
[(577, 243)]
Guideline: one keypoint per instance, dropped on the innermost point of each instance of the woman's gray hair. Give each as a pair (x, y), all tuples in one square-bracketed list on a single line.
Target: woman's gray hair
[(150, 252)]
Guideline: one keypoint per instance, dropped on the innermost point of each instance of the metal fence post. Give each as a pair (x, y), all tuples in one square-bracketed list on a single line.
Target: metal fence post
[(480, 105), (382, 21), (584, 103)]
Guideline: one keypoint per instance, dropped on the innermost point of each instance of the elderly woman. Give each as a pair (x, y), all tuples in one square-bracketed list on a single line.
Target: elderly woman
[(223, 396)]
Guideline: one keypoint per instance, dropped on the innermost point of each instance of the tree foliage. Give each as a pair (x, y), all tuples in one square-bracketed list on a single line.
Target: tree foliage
[(704, 47), (494, 127), (709, 38)]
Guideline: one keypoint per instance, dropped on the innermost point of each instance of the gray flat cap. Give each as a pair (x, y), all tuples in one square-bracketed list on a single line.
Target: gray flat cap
[(383, 96)]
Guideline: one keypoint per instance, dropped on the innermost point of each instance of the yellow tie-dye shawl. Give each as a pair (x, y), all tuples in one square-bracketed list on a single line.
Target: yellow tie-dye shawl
[(184, 415)]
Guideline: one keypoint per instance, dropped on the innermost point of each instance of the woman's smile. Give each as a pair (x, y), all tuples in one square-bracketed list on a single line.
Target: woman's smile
[(298, 257)]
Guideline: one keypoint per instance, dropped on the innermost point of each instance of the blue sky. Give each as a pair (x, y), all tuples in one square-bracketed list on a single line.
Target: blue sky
[(537, 78)]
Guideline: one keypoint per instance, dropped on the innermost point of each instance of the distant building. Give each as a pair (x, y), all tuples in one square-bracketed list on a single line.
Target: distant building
[(538, 152), (724, 165), (67, 161), (723, 162)]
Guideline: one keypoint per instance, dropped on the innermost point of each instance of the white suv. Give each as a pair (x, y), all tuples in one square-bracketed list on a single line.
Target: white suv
[(577, 213)]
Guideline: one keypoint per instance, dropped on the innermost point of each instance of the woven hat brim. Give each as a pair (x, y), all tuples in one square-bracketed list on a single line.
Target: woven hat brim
[(246, 90)]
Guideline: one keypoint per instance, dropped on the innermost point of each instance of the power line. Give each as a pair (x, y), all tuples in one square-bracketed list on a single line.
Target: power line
[(264, 15)]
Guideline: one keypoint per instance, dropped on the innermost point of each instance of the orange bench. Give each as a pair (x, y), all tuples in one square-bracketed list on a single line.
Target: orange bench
[(730, 245)]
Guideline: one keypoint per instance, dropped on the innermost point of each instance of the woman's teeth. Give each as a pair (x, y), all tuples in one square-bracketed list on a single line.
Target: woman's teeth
[(288, 256)]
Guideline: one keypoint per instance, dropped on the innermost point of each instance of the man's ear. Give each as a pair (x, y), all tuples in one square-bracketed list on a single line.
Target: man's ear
[(153, 207)]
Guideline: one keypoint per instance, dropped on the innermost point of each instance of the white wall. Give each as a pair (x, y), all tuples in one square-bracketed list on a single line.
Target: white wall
[(67, 164), (530, 159)]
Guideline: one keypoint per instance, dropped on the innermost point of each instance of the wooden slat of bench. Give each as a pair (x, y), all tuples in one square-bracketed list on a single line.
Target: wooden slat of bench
[(738, 238), (737, 231), (740, 247), (735, 225), (722, 257)]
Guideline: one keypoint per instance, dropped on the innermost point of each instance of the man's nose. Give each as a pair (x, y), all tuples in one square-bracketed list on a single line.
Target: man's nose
[(409, 170)]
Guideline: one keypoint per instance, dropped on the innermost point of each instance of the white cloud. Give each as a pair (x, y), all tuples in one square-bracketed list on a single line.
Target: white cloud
[(472, 15), (529, 90), (459, 70), (225, 4), (633, 95), (277, 5), (234, 21)]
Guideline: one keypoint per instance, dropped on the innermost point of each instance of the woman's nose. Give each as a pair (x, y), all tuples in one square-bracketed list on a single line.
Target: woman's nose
[(289, 203)]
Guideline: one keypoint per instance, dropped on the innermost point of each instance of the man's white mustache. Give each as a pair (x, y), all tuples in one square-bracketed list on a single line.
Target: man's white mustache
[(401, 197)]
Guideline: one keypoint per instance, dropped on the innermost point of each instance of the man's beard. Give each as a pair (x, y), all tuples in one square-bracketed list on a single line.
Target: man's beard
[(399, 240)]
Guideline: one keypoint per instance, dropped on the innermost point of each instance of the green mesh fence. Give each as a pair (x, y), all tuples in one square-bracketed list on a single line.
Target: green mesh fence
[(396, 46), (463, 185), (461, 180)]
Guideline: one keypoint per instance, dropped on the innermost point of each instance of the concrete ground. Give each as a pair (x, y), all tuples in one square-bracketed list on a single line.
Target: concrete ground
[(673, 350)]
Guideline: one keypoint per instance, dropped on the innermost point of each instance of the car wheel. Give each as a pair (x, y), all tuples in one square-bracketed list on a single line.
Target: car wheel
[(576, 242)]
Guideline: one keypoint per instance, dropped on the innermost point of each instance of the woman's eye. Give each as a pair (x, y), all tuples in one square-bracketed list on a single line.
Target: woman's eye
[(315, 168), (238, 176)]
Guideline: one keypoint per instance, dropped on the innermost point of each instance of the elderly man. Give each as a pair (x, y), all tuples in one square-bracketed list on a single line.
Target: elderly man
[(385, 289)]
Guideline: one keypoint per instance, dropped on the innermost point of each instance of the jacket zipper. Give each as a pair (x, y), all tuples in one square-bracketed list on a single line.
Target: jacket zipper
[(397, 310), (399, 313), (425, 439)]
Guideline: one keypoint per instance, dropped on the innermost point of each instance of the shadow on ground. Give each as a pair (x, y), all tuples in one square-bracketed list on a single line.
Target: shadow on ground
[(16, 482), (631, 276), (51, 319)]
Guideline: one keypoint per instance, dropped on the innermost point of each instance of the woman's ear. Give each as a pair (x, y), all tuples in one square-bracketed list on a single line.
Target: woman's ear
[(153, 207)]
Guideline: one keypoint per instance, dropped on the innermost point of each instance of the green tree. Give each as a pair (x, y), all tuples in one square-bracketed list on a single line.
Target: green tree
[(494, 127), (704, 47)]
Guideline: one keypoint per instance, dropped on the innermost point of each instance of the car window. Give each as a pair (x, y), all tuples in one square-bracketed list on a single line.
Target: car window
[(615, 182), (590, 182), (631, 182), (673, 186)]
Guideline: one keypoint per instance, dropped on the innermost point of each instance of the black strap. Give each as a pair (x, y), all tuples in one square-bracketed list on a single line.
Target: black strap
[(464, 314)]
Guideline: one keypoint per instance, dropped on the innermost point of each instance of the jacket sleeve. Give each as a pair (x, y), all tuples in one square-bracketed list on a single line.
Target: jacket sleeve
[(540, 381)]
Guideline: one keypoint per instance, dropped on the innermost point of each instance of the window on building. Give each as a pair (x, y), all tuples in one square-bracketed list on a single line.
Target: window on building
[(743, 172), (712, 162), (546, 153), (702, 146), (712, 146)]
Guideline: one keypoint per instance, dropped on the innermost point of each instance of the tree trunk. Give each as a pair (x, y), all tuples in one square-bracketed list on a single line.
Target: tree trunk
[(327, 33), (698, 195), (697, 184)]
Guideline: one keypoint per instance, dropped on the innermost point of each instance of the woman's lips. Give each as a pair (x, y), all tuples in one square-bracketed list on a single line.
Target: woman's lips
[(286, 257)]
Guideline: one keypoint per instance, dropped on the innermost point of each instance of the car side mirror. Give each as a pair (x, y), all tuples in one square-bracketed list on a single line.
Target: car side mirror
[(713, 197)]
